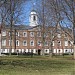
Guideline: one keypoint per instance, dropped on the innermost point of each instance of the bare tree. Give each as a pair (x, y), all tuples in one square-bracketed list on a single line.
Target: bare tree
[(53, 18), (68, 9), (11, 12)]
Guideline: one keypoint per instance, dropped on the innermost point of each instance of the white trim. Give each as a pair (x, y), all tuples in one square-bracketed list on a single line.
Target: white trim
[(17, 42), (59, 51), (54, 51), (24, 42), (24, 34), (3, 32), (3, 42), (32, 42), (46, 50)]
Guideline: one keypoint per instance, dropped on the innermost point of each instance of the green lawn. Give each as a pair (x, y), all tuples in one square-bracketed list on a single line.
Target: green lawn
[(38, 65)]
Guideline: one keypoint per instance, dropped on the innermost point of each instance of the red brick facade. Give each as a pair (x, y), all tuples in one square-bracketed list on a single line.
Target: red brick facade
[(29, 39)]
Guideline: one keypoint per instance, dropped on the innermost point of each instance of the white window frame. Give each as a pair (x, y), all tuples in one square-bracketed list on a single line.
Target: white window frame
[(39, 43), (17, 42), (4, 33), (9, 42), (4, 42), (31, 43), (71, 43), (66, 43), (17, 33), (46, 43), (9, 33), (38, 34), (31, 34), (45, 34), (53, 43), (24, 34), (25, 43), (59, 35), (59, 43)]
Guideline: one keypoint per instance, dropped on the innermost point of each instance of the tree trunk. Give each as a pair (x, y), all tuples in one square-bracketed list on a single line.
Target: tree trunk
[(74, 51), (0, 44)]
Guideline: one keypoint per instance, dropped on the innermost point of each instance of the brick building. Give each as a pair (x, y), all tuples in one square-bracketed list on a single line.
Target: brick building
[(32, 38)]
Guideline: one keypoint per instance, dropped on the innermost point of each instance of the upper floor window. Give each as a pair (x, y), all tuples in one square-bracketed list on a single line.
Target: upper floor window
[(17, 33), (46, 43), (3, 33), (24, 34), (39, 43), (17, 42), (71, 43), (59, 30), (59, 35), (59, 43), (38, 34), (25, 43), (65, 35), (3, 42), (45, 35), (53, 43), (9, 33), (10, 42), (32, 34), (66, 43), (31, 43), (39, 28)]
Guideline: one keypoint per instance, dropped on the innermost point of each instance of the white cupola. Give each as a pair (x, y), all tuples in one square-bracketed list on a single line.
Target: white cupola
[(33, 18)]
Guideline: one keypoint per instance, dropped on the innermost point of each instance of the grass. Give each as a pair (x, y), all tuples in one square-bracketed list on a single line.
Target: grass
[(38, 65)]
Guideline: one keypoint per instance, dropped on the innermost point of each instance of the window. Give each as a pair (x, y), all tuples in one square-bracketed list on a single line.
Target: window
[(71, 43), (65, 35), (25, 43), (17, 42), (71, 50), (32, 34), (59, 43), (38, 34), (34, 18), (31, 43), (46, 43), (24, 34), (3, 42), (46, 50), (9, 33), (3, 33), (53, 43), (59, 35), (17, 33), (59, 51), (9, 42), (32, 51), (45, 35), (66, 43), (39, 43), (58, 30), (66, 51), (39, 28)]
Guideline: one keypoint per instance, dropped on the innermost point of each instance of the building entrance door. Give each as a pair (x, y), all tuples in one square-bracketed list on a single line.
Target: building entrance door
[(39, 52)]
